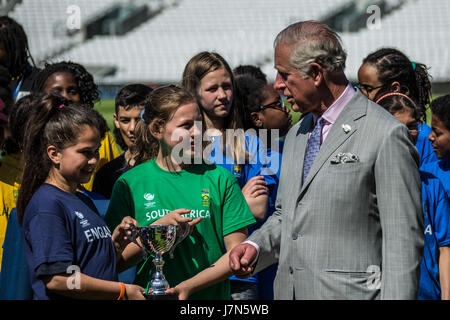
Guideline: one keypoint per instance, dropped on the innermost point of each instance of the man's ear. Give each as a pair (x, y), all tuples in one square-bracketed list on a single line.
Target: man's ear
[(316, 73), (54, 155), (256, 119)]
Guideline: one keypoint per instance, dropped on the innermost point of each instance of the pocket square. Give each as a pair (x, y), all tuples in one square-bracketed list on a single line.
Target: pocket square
[(344, 157)]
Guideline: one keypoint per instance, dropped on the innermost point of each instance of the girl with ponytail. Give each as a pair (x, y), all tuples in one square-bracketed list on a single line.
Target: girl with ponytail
[(169, 185), (62, 230), (389, 70)]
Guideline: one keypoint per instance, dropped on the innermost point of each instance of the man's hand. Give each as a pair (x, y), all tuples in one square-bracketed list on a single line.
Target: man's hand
[(241, 260)]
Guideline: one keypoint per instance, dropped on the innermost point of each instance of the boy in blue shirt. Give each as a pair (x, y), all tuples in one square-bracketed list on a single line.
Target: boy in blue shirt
[(440, 138), (437, 228)]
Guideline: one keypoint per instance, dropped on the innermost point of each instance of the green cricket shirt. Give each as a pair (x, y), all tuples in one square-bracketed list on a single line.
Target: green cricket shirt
[(148, 192)]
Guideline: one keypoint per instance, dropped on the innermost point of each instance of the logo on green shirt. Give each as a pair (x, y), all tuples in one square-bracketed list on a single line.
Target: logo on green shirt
[(205, 198), (149, 197)]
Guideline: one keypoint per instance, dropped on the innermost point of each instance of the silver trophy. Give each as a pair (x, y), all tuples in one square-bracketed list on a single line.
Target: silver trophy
[(159, 239)]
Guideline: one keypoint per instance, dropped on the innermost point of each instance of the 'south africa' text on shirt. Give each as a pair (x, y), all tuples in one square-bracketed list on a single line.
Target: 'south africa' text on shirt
[(194, 214)]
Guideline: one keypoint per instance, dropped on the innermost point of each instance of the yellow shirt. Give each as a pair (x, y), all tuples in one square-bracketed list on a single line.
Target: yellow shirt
[(108, 151), (10, 173)]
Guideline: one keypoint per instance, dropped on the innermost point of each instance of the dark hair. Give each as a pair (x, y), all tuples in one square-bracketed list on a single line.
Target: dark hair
[(15, 43), (440, 107), (53, 121), (162, 104), (6, 104), (250, 70), (394, 103), (250, 93), (393, 65), (89, 93), (5, 92), (132, 95), (18, 118)]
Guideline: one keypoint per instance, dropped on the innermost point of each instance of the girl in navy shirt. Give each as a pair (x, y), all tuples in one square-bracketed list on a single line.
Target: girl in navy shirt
[(70, 251)]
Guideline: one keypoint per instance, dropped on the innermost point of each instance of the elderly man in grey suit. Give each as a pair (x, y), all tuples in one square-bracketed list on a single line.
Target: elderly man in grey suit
[(348, 222)]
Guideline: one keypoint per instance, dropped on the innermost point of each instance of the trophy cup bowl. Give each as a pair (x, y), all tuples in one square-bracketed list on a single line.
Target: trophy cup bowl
[(159, 239)]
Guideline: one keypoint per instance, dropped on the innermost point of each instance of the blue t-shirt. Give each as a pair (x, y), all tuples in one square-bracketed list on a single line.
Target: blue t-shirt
[(266, 277), (256, 165), (63, 233), (436, 209), (441, 170), (423, 145), (272, 168)]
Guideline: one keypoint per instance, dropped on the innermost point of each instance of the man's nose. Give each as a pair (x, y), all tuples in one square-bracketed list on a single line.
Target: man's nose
[(278, 84)]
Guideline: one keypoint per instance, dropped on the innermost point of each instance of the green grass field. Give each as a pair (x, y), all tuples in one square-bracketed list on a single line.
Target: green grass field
[(106, 108)]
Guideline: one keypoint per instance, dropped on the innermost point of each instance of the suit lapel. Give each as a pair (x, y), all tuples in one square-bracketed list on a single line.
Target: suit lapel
[(354, 110)]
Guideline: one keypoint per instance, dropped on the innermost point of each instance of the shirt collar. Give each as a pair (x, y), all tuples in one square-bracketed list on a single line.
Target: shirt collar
[(333, 111)]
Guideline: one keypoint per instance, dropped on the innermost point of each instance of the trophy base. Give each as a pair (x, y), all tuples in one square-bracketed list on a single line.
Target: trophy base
[(160, 296)]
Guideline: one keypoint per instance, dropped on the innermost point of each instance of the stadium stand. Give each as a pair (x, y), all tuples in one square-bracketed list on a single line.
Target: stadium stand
[(44, 21), (243, 31), (419, 28)]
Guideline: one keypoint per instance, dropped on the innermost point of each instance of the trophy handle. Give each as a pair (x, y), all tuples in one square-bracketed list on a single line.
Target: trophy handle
[(133, 237), (183, 229)]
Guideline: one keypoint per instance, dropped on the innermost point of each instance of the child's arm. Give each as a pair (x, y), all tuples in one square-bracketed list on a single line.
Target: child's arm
[(81, 286), (129, 254), (256, 194), (217, 272), (444, 271)]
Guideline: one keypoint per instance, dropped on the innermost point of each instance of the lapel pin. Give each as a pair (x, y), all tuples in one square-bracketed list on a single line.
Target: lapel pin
[(346, 128)]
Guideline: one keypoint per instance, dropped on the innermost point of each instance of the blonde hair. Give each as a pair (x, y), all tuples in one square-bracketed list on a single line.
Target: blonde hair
[(197, 68), (159, 108)]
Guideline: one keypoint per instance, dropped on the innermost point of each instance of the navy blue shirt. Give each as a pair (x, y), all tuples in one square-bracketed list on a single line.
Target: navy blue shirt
[(63, 230)]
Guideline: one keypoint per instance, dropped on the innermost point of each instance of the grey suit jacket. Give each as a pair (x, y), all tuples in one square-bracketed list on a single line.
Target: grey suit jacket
[(353, 230)]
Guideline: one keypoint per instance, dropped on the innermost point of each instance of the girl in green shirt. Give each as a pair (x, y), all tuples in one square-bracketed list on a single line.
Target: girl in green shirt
[(170, 185)]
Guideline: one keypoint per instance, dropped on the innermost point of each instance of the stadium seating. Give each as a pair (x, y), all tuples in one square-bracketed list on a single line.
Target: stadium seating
[(241, 30), (419, 29), (44, 18)]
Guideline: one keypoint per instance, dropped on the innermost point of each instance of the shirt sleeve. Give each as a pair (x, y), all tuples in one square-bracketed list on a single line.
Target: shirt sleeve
[(263, 162), (50, 240), (47, 269), (120, 204), (236, 213)]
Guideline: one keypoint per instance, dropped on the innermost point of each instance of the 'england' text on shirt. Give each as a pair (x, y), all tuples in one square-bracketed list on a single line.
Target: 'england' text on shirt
[(97, 233)]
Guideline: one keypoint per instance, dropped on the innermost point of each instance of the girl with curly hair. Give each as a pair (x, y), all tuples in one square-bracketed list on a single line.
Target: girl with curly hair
[(72, 81)]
